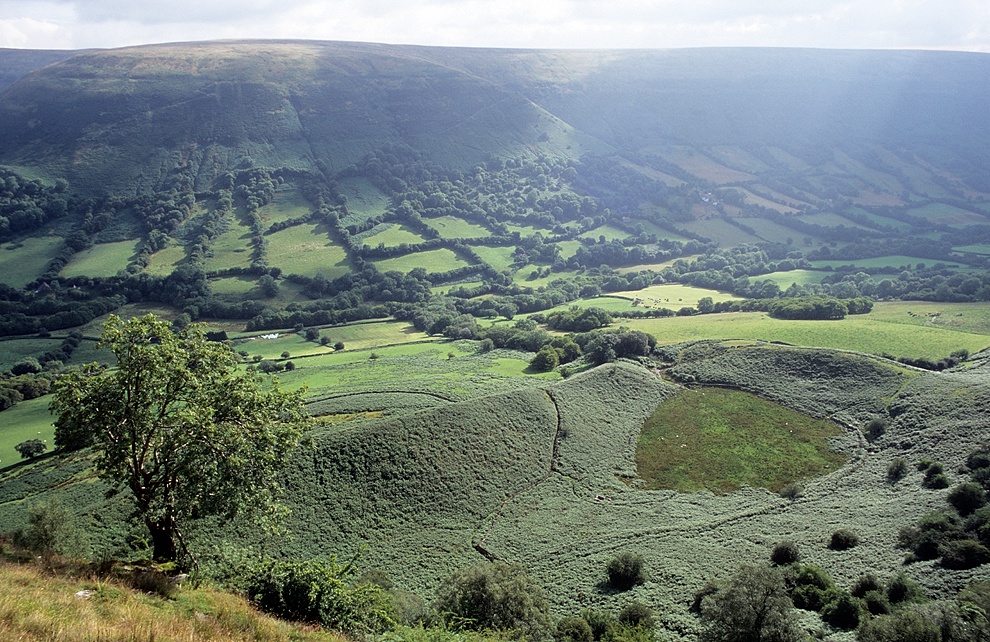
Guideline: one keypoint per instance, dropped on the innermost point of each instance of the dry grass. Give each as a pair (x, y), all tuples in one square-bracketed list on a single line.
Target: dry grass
[(40, 605)]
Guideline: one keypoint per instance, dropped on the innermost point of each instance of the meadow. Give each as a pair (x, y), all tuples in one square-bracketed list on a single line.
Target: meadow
[(720, 440), (885, 333), (673, 296), (442, 260), (25, 260), (27, 420), (307, 250), (894, 261), (390, 235), (106, 259), (457, 228)]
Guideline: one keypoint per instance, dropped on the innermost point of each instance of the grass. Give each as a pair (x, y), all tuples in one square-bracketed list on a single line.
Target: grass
[(499, 258), (673, 296), (364, 200), (24, 261), (27, 420), (356, 336), (785, 279), (610, 233), (393, 235), (307, 250), (102, 260), (720, 440), (947, 214), (876, 333), (441, 260), (456, 228), (230, 249), (288, 203), (972, 249), (38, 605), (721, 231), (164, 261), (897, 261)]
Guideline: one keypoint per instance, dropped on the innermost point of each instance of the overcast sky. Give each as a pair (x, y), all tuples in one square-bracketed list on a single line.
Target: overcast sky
[(870, 24)]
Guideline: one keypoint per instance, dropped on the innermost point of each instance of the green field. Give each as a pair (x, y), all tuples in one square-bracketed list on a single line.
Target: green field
[(288, 203), (164, 261), (875, 333), (364, 200), (356, 336), (895, 261), (441, 260), (973, 249), (610, 233), (307, 250), (103, 260), (785, 279), (25, 261), (392, 235), (947, 214), (499, 258), (457, 228), (673, 296), (27, 420), (720, 440), (720, 231), (230, 249)]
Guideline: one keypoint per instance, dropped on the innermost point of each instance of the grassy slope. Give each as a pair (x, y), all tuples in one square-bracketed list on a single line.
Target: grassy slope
[(35, 605)]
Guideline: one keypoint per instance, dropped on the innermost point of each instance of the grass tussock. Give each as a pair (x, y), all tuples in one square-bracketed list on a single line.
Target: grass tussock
[(721, 440), (43, 605)]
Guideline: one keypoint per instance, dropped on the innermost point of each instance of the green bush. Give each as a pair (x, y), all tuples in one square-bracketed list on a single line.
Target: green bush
[(843, 539), (636, 614), (52, 530), (753, 605), (967, 497), (812, 588), (784, 553), (494, 596), (602, 624), (625, 571), (865, 584), (901, 588), (574, 629), (897, 469), (843, 612), (963, 554), (876, 603), (318, 592)]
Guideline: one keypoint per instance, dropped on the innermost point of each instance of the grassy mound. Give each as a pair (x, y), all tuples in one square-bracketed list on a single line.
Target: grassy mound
[(720, 440)]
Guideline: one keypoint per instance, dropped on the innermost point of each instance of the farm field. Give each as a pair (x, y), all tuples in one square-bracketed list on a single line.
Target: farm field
[(720, 440), (610, 233), (947, 214), (456, 228), (973, 249), (656, 267), (499, 258), (164, 261), (364, 200), (307, 250), (25, 261), (785, 279), (365, 334), (288, 203), (673, 295), (720, 231), (102, 260), (896, 261), (27, 420), (230, 249), (775, 232), (393, 235), (442, 260), (860, 333)]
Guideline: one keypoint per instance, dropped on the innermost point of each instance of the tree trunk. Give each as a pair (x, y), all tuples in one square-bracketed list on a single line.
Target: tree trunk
[(162, 539)]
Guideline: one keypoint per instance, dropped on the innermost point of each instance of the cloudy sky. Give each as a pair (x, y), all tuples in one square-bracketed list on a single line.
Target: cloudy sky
[(871, 24)]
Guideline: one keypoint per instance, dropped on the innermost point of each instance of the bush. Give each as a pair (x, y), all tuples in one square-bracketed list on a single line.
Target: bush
[(602, 624), (637, 614), (876, 603), (792, 491), (545, 360), (865, 584), (843, 612), (843, 539), (31, 448), (897, 469), (901, 588), (967, 497), (318, 592), (964, 553), (52, 530), (785, 553), (753, 605), (494, 596), (813, 588), (936, 482), (625, 571), (875, 429), (574, 629)]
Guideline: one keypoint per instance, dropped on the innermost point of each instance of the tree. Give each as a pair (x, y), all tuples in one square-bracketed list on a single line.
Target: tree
[(545, 360), (625, 571), (753, 606), (178, 426), (31, 448), (495, 596)]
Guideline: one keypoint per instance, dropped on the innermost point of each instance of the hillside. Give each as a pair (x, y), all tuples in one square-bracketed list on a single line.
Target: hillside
[(512, 282)]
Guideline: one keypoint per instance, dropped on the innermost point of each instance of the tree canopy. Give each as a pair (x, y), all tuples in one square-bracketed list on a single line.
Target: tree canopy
[(178, 425)]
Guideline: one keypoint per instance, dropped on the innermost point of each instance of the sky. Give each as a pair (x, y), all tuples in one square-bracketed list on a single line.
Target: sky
[(961, 25)]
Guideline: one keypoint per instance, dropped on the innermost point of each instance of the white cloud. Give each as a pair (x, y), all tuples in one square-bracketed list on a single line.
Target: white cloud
[(938, 24)]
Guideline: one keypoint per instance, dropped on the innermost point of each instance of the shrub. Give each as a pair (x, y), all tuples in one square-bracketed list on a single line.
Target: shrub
[(963, 553), (494, 596), (52, 530), (843, 539), (753, 605), (905, 626), (602, 624), (843, 612), (153, 581), (636, 614), (978, 459), (897, 469), (574, 629), (936, 482), (876, 603), (625, 571), (31, 448), (967, 497), (317, 592), (901, 588), (865, 584), (875, 429), (784, 553), (792, 491), (545, 360), (813, 588)]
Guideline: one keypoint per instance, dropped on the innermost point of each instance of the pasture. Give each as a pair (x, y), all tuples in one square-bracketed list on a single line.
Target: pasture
[(288, 203), (785, 279), (27, 420), (457, 228), (364, 200), (164, 261), (880, 332), (307, 250), (24, 261), (673, 296), (720, 440), (391, 235), (899, 262), (102, 260), (442, 260)]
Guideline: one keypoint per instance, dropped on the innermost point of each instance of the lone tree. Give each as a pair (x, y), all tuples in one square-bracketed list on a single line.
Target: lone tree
[(178, 426), (31, 448)]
